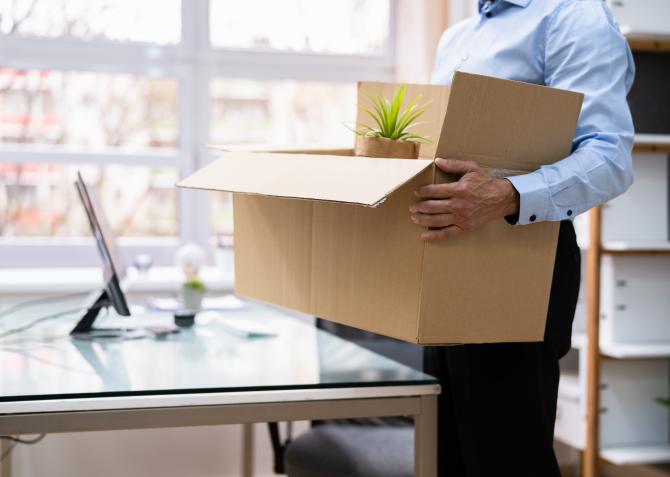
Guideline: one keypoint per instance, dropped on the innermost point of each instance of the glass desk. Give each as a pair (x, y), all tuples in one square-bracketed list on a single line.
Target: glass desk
[(205, 375)]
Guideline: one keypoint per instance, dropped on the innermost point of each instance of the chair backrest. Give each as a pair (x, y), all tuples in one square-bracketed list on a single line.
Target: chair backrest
[(406, 353)]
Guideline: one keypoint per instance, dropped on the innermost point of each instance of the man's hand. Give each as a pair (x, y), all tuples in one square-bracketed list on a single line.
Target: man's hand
[(450, 209)]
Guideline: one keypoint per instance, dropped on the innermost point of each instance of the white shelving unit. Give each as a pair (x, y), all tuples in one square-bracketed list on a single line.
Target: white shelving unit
[(634, 425), (632, 362), (610, 381)]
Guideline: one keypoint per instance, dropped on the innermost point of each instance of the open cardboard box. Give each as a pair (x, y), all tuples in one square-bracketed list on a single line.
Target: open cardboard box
[(329, 234)]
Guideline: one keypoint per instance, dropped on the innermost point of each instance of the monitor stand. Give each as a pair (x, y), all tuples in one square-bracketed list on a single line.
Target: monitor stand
[(84, 329)]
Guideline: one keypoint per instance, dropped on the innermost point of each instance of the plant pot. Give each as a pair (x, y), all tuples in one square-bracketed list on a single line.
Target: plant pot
[(192, 299), (184, 319), (371, 146)]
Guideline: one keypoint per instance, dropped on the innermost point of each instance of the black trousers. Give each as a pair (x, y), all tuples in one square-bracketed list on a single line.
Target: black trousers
[(498, 403)]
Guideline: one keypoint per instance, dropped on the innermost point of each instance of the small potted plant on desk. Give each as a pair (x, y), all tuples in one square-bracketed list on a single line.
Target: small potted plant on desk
[(193, 292), (393, 136), (190, 258)]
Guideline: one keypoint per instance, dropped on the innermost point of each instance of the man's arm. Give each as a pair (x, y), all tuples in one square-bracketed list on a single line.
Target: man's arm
[(584, 52)]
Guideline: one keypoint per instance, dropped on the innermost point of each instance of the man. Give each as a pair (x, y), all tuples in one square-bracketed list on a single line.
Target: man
[(498, 407)]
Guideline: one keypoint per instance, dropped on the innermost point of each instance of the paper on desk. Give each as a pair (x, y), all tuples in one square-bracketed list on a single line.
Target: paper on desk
[(219, 303), (243, 327)]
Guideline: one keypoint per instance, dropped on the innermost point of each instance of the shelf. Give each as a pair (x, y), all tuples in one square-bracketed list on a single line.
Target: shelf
[(659, 143), (622, 247), (641, 251), (636, 455), (635, 350), (654, 43), (637, 248), (656, 147), (625, 350)]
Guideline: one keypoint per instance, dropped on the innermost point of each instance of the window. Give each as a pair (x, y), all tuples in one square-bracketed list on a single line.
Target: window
[(131, 92), (280, 111), (275, 112), (87, 110), (115, 20), (39, 200), (344, 26)]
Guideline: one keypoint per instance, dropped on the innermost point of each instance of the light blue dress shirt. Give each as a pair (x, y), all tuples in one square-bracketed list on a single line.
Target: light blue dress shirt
[(568, 44)]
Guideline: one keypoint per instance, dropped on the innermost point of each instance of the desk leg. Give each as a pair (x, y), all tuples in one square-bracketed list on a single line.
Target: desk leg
[(6, 464), (247, 450), (425, 438)]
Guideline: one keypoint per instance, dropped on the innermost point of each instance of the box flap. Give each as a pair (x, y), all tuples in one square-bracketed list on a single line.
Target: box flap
[(320, 149), (508, 124), (356, 180)]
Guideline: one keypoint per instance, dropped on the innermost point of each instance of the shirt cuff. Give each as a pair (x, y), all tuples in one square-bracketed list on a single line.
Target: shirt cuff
[(533, 197)]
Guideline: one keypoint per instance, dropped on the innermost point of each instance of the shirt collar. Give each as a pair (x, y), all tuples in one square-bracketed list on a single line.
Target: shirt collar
[(518, 3)]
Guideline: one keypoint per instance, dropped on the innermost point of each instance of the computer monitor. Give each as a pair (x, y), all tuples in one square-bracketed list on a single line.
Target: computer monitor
[(113, 271)]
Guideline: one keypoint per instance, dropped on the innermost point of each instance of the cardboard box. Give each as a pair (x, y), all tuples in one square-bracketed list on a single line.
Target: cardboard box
[(330, 235)]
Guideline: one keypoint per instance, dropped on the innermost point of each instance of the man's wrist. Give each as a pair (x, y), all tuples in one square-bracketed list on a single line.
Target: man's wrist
[(510, 199)]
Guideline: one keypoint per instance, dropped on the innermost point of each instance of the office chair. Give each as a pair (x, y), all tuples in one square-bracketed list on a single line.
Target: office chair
[(382, 447)]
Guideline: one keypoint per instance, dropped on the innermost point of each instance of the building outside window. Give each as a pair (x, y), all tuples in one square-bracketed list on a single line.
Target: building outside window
[(105, 88)]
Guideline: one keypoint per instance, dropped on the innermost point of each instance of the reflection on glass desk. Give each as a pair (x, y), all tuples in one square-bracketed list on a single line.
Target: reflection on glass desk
[(44, 363)]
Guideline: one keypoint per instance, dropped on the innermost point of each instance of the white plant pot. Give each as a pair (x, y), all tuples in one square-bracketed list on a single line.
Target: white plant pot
[(192, 299)]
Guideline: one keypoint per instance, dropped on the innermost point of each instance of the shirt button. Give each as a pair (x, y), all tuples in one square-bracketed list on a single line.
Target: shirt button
[(465, 57), (532, 218), (569, 212)]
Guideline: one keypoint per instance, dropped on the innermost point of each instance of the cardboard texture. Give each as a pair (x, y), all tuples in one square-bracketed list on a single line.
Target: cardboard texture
[(330, 234)]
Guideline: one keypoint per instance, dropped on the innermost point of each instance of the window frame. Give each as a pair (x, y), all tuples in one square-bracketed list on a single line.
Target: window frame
[(192, 62)]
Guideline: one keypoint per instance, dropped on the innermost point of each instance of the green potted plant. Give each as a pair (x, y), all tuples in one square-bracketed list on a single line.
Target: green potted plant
[(663, 401), (392, 136), (193, 292)]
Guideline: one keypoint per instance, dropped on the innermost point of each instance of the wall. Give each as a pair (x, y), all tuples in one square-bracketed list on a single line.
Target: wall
[(419, 26), (185, 452)]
